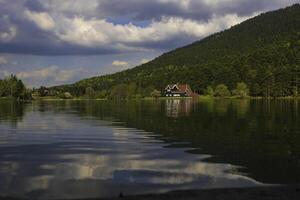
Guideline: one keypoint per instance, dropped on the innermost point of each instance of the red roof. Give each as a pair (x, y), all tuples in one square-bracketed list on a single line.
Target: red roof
[(181, 88)]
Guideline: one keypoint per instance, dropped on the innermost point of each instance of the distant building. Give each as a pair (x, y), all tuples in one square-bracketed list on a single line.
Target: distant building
[(178, 90)]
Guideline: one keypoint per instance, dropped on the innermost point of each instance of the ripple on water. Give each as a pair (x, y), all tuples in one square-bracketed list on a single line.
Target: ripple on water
[(61, 155)]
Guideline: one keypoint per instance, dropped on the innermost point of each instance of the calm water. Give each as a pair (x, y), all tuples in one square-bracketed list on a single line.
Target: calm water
[(73, 149)]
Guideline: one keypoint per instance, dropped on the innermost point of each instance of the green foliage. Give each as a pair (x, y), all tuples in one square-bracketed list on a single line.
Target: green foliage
[(127, 91), (42, 91), (90, 93), (2, 88), (65, 95), (210, 91), (14, 88), (131, 90), (101, 94), (148, 91), (119, 92), (155, 94), (262, 52), (241, 90), (222, 91), (295, 92)]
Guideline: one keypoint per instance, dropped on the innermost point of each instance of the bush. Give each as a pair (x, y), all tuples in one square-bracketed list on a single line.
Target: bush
[(101, 95), (210, 91), (241, 90), (119, 92), (222, 91), (67, 95), (155, 93)]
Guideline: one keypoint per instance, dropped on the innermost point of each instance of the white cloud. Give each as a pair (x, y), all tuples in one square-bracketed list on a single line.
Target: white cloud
[(8, 35), (77, 7), (81, 32), (49, 75), (3, 60), (119, 63), (100, 33), (43, 20), (145, 60)]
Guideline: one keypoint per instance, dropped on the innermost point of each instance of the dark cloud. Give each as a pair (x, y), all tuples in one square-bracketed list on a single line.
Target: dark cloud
[(34, 5), (149, 10), (50, 49), (66, 27), (195, 9)]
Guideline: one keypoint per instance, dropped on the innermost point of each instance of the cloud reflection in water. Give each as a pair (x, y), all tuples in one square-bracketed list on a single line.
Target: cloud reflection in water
[(59, 155)]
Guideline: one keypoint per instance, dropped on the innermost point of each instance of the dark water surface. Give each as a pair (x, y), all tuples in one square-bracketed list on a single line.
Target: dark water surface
[(73, 149)]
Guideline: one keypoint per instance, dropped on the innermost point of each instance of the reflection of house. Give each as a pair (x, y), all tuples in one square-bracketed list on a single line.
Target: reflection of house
[(176, 107), (178, 90)]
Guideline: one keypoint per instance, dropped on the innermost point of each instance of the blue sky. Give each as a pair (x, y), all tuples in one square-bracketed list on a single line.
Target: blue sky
[(51, 42)]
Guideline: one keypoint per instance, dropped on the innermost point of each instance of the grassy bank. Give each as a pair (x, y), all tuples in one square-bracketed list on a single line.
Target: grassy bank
[(248, 97)]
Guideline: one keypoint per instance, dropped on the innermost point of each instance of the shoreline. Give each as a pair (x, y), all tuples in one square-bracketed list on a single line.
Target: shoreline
[(251, 193), (200, 98)]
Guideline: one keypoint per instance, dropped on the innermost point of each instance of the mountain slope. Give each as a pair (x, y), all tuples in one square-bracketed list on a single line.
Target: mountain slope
[(262, 51)]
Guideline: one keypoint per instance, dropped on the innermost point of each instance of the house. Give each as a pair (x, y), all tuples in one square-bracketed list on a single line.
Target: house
[(178, 90)]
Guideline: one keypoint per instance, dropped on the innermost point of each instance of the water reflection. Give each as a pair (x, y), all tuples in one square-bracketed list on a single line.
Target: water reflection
[(73, 149), (178, 107), (241, 107), (11, 111), (58, 155)]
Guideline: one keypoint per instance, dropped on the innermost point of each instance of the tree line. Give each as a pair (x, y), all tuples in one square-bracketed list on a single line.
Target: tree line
[(12, 87), (119, 91)]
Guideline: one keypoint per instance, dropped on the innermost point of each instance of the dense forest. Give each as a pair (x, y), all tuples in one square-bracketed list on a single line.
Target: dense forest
[(263, 53), (12, 87)]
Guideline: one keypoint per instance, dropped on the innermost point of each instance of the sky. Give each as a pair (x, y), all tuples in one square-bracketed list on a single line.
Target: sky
[(53, 42)]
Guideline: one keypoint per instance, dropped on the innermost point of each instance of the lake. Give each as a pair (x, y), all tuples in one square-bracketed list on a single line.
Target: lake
[(73, 149)]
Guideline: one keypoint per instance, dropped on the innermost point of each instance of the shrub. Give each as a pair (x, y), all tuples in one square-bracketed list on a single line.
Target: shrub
[(241, 90), (222, 91), (210, 91), (155, 93)]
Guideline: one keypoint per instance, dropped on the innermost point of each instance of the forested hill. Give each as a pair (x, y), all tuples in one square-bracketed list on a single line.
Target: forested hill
[(263, 52)]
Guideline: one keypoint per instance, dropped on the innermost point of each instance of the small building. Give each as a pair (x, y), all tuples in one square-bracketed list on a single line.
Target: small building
[(178, 90)]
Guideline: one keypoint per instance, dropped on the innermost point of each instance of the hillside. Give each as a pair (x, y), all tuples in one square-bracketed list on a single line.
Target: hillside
[(263, 52)]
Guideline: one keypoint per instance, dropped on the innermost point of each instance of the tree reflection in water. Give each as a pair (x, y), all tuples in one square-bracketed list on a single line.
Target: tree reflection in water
[(72, 148)]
